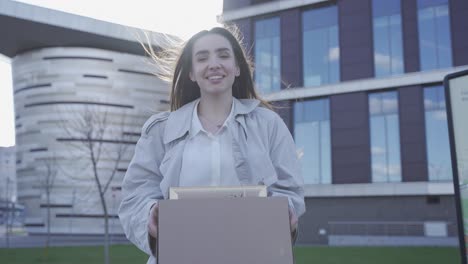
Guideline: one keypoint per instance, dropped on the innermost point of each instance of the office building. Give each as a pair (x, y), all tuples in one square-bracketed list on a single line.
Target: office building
[(360, 85)]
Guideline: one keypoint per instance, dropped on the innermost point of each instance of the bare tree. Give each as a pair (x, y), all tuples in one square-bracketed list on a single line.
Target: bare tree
[(47, 184), (100, 141), (7, 212)]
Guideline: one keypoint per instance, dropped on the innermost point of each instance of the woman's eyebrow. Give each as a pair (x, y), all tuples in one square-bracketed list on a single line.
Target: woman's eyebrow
[(205, 52), (201, 52), (223, 50)]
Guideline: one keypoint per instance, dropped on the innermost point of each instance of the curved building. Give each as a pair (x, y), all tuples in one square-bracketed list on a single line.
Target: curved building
[(78, 84), (54, 89)]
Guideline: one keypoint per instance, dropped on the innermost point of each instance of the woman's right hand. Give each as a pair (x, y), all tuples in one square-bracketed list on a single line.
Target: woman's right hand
[(153, 221)]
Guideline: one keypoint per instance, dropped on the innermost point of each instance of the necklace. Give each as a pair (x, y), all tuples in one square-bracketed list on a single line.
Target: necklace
[(210, 122)]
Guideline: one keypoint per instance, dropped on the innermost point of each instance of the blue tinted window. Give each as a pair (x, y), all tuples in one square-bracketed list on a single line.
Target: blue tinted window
[(267, 55), (321, 52), (385, 8), (385, 137), (388, 51), (320, 18), (437, 140), (312, 136), (435, 44), (429, 3)]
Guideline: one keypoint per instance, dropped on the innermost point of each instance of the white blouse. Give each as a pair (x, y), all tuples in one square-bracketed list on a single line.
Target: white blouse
[(207, 159)]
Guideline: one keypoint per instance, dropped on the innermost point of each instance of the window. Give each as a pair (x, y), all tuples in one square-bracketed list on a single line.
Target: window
[(312, 136), (320, 46), (385, 137), (256, 2), (267, 55), (388, 51), (434, 34), (437, 139)]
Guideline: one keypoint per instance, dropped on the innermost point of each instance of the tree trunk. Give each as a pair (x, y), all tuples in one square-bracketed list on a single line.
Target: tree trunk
[(7, 222), (103, 202), (7, 226), (106, 229), (48, 221)]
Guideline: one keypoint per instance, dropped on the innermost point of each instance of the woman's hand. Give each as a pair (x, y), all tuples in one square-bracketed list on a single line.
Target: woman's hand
[(292, 220), (293, 224), (153, 221)]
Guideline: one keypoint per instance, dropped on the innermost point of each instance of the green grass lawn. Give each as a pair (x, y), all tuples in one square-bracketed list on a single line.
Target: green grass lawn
[(72, 255), (377, 255), (304, 255)]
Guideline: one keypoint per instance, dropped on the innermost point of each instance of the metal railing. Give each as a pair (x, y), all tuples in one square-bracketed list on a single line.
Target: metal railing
[(383, 228)]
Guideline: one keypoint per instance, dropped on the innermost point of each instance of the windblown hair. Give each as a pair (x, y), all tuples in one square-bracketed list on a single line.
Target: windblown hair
[(175, 65)]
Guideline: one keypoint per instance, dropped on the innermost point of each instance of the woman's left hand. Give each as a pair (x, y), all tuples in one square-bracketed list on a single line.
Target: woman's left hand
[(292, 220), (293, 225)]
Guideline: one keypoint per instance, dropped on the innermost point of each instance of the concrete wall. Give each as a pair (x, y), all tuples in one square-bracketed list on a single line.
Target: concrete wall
[(291, 43), (7, 173), (409, 20), (412, 134), (350, 138), (355, 34), (459, 20)]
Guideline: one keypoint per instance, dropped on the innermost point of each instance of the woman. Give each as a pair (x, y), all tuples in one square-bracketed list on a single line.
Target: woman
[(217, 124)]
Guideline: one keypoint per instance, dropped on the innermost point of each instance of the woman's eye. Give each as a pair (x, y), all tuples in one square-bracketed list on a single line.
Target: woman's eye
[(224, 55), (200, 59)]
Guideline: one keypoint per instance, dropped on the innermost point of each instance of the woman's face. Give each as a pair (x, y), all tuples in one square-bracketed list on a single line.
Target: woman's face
[(214, 66)]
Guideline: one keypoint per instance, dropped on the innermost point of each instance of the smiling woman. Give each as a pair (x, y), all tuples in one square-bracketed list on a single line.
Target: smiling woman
[(219, 132), (7, 131)]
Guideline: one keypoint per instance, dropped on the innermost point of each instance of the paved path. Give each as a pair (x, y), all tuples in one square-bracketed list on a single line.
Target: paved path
[(32, 241)]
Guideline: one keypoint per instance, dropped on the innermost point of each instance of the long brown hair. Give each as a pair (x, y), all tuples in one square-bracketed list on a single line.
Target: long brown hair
[(185, 90)]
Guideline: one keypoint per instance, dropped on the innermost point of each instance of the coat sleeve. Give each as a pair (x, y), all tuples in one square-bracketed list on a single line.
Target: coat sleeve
[(289, 182), (141, 185)]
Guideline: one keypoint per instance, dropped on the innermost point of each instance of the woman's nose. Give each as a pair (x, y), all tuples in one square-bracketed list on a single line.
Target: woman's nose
[(214, 63)]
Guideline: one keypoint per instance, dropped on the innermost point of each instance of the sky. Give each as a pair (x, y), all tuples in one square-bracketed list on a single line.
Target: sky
[(182, 18)]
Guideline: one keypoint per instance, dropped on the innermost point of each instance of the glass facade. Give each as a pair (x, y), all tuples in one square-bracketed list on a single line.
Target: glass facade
[(385, 137), (321, 52), (312, 136), (321, 65), (388, 51), (437, 138), (435, 47), (267, 55)]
